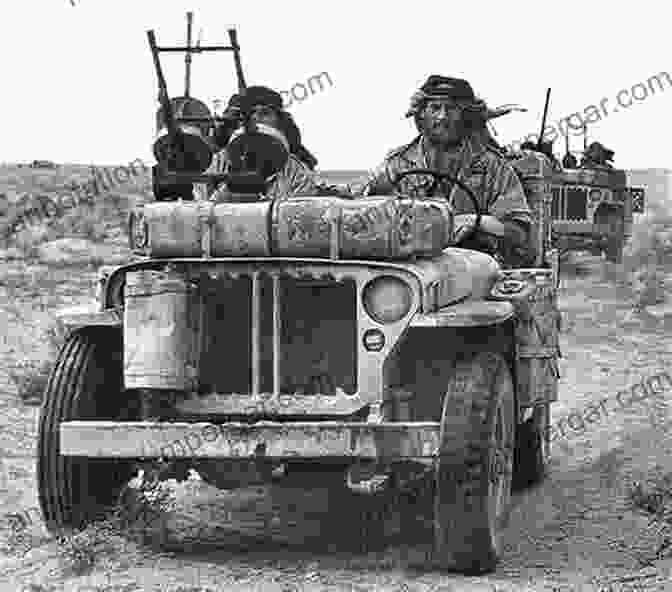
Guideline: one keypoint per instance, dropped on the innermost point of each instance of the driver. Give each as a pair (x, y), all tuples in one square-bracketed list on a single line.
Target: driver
[(454, 139), (263, 105)]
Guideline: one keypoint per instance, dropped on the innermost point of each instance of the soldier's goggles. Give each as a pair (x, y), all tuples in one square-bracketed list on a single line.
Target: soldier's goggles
[(435, 107)]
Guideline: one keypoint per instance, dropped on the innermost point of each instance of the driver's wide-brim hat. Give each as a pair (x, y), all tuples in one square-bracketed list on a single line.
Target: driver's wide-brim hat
[(440, 87), (444, 87), (458, 90)]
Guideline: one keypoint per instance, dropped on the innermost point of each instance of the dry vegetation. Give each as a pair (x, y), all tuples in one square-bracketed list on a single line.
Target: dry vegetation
[(90, 232), (23, 229), (654, 499), (30, 377), (648, 256), (140, 518)]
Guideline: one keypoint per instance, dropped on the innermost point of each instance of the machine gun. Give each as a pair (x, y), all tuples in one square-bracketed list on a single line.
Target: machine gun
[(540, 141), (184, 146), (172, 153)]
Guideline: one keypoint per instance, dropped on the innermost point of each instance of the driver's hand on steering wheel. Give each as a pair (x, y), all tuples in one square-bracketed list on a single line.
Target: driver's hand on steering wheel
[(465, 222), (463, 226)]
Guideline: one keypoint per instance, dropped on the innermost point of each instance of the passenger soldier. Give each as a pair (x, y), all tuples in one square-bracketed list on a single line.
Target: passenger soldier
[(597, 156), (262, 105), (454, 138), (569, 161)]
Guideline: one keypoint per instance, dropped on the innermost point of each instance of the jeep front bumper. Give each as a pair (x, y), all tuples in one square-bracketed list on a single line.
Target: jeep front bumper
[(270, 440)]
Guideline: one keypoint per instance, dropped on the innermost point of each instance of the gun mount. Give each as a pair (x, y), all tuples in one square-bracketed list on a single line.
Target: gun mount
[(185, 144)]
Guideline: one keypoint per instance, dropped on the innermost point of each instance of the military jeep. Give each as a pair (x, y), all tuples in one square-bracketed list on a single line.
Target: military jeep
[(593, 210), (309, 333)]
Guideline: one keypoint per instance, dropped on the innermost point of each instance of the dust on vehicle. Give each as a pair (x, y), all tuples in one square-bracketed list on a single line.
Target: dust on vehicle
[(264, 339)]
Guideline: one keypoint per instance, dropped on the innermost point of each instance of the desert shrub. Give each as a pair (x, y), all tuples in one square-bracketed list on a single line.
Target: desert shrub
[(651, 242), (92, 218), (80, 551), (30, 380), (89, 219), (29, 238), (6, 232), (82, 221), (23, 226), (10, 222), (138, 515), (17, 538), (30, 377), (80, 215), (648, 255), (113, 209), (655, 499), (142, 511)]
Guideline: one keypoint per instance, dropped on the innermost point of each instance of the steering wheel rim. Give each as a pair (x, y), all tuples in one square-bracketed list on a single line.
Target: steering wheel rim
[(438, 176)]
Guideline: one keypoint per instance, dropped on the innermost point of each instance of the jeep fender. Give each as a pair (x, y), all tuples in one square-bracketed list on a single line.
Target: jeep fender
[(472, 313), (88, 315)]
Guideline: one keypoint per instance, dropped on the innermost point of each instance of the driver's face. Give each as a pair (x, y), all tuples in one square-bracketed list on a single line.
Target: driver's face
[(442, 121)]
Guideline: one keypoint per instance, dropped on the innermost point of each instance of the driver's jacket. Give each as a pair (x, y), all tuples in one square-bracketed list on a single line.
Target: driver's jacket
[(483, 169)]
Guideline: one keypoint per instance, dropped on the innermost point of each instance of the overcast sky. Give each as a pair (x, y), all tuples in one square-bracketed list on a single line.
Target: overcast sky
[(79, 84)]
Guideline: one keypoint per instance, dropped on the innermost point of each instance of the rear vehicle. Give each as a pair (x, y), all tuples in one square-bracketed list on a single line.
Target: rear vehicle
[(593, 211)]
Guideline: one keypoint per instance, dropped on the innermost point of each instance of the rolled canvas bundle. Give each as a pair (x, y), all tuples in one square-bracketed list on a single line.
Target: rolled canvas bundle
[(310, 227)]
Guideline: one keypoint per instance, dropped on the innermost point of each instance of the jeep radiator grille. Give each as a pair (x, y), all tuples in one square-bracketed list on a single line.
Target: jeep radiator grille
[(269, 333), (569, 203), (557, 203), (575, 202)]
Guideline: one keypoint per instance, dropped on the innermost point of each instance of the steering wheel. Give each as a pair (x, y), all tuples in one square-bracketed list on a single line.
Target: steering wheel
[(437, 176)]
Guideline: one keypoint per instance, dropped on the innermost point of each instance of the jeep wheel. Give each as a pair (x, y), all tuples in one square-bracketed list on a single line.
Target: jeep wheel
[(85, 383), (474, 465)]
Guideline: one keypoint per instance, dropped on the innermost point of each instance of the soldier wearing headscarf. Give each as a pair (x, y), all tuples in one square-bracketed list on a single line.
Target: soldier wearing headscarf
[(233, 118), (454, 138), (263, 106), (597, 156)]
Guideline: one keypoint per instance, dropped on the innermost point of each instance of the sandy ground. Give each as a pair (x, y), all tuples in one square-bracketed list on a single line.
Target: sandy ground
[(575, 532)]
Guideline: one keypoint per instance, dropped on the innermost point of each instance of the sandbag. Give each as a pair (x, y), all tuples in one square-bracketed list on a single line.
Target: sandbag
[(310, 227)]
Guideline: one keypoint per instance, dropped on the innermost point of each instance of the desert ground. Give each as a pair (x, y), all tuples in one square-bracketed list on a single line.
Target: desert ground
[(578, 531)]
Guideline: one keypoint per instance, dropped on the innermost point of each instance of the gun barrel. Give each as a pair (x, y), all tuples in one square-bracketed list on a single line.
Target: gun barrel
[(187, 56), (543, 119), (164, 99), (233, 38)]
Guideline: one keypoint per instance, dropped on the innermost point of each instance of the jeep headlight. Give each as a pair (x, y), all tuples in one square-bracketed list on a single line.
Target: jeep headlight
[(387, 299)]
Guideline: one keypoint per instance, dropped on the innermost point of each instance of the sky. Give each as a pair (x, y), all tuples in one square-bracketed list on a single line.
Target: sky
[(79, 82)]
